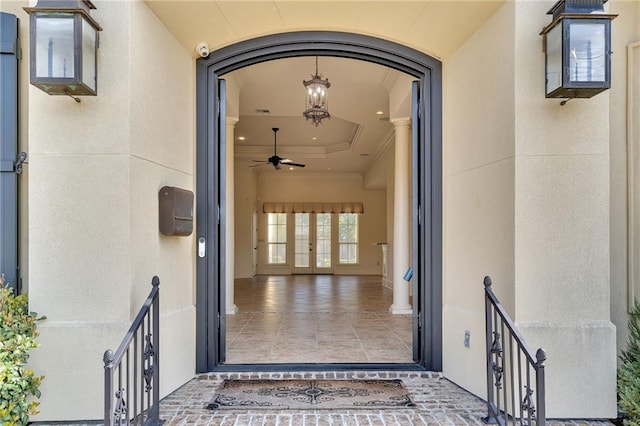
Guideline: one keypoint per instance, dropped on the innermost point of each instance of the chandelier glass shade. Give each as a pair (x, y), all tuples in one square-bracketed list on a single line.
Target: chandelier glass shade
[(317, 104)]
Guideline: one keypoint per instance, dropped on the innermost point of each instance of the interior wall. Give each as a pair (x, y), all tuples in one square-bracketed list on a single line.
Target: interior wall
[(390, 158), (93, 202), (479, 191), (245, 208), (279, 186)]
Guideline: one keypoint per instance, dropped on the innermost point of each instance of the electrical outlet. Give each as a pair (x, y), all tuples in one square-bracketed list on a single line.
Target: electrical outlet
[(467, 338)]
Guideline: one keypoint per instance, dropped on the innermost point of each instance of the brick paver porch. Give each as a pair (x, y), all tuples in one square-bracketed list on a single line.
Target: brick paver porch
[(439, 402)]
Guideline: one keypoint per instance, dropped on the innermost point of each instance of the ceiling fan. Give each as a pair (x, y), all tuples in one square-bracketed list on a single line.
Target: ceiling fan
[(275, 160)]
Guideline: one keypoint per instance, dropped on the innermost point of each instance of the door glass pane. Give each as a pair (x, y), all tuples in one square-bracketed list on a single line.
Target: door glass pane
[(323, 240), (301, 255)]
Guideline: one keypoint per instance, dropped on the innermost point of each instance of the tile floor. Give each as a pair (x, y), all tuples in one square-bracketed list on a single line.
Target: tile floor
[(316, 319)]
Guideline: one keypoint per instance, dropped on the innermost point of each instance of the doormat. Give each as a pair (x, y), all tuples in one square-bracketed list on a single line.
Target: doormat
[(311, 394)]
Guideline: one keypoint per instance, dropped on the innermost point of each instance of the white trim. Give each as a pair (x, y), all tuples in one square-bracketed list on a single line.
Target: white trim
[(633, 49)]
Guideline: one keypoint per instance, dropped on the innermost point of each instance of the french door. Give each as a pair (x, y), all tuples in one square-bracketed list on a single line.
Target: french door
[(210, 182), (313, 243)]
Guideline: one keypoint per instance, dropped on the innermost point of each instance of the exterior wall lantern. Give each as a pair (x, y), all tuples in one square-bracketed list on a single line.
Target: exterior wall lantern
[(63, 47), (577, 47)]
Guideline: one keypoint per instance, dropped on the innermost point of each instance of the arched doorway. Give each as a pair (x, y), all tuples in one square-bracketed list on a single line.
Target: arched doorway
[(427, 183)]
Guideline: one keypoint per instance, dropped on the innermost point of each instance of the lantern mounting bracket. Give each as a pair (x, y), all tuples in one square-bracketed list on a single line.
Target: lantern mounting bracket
[(75, 98)]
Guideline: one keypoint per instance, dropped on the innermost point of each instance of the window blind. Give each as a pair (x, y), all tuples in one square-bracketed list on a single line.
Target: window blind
[(310, 207)]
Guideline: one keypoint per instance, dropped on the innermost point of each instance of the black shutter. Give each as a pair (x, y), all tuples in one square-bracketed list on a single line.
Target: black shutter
[(9, 148)]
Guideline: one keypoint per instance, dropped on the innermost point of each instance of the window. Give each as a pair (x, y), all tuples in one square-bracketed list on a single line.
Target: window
[(277, 238), (348, 238)]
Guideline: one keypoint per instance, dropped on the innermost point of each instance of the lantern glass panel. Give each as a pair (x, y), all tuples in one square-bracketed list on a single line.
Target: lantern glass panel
[(88, 55), (54, 47), (587, 52), (554, 58)]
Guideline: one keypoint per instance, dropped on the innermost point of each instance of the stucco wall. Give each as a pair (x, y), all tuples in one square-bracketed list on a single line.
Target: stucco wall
[(532, 197), (479, 191), (527, 201), (562, 232), (95, 171), (162, 153), (625, 32)]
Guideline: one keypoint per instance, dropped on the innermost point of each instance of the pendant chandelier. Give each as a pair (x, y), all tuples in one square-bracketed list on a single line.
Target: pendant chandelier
[(316, 107)]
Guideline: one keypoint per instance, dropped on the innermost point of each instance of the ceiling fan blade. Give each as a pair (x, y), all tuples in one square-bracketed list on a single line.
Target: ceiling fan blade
[(288, 162), (262, 163)]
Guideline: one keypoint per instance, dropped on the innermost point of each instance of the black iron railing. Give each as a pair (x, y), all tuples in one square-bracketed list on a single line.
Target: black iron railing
[(515, 376), (131, 375)]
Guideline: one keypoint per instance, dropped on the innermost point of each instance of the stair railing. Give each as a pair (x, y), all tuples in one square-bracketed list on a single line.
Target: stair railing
[(131, 375), (515, 375)]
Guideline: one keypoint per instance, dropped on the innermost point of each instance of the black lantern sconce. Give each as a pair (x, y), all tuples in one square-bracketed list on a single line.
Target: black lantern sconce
[(577, 47), (63, 47)]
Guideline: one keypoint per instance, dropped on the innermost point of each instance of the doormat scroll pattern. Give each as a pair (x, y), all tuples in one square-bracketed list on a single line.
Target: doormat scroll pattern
[(311, 394)]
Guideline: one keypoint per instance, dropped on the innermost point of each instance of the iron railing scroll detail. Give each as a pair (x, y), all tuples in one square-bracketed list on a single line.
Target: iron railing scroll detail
[(131, 374), (515, 375)]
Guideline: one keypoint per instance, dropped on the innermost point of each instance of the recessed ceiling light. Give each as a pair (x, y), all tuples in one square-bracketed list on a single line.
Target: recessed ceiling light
[(314, 138), (241, 138), (291, 168), (379, 112), (329, 168)]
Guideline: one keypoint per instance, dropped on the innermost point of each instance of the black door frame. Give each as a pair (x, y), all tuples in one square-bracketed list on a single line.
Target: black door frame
[(210, 172)]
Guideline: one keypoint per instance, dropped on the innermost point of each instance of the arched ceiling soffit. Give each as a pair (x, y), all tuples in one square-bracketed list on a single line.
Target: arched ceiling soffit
[(435, 27)]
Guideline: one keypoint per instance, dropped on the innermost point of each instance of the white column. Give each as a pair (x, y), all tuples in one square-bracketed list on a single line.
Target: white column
[(401, 217), (230, 227)]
